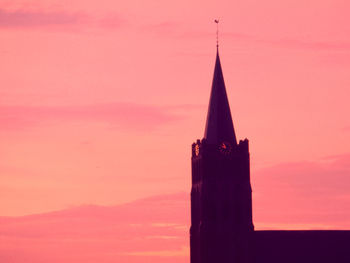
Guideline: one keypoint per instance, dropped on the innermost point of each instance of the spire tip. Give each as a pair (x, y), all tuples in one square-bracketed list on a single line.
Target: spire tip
[(217, 33)]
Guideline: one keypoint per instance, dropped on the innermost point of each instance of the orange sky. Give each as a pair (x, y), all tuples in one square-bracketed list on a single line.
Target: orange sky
[(101, 100)]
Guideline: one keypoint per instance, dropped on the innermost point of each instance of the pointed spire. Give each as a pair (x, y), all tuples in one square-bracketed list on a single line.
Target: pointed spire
[(219, 126)]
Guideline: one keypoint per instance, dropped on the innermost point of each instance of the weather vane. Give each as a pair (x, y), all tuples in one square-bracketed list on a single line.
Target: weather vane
[(217, 32)]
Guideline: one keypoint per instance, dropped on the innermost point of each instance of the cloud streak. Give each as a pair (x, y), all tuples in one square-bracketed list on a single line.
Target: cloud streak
[(291, 42), (127, 115), (173, 30), (42, 19), (313, 45), (301, 195), (304, 194), (37, 19), (31, 19), (147, 229)]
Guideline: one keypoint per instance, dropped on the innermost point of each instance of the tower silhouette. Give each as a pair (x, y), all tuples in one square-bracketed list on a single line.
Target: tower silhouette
[(222, 228), (221, 202)]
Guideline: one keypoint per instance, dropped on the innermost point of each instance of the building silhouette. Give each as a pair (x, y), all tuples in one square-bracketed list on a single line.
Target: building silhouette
[(222, 228)]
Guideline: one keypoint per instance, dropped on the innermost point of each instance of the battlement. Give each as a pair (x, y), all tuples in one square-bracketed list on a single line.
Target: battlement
[(244, 145)]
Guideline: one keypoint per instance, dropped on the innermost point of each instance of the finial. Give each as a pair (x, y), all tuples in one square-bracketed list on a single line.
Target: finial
[(217, 32)]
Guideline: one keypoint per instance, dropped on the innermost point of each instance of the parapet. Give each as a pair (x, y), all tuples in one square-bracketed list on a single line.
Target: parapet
[(244, 145)]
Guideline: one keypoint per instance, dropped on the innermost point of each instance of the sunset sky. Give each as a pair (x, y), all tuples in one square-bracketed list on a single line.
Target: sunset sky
[(100, 102)]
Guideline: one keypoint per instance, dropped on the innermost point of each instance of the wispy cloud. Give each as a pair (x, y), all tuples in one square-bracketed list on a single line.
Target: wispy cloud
[(305, 44), (129, 115), (110, 21), (346, 129), (133, 232), (36, 19), (304, 193), (60, 20), (177, 30), (294, 43)]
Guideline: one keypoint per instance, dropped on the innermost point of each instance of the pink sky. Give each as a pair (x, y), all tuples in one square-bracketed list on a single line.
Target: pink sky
[(101, 100)]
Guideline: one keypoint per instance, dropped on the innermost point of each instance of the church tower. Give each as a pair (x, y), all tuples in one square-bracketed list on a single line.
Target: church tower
[(221, 199)]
